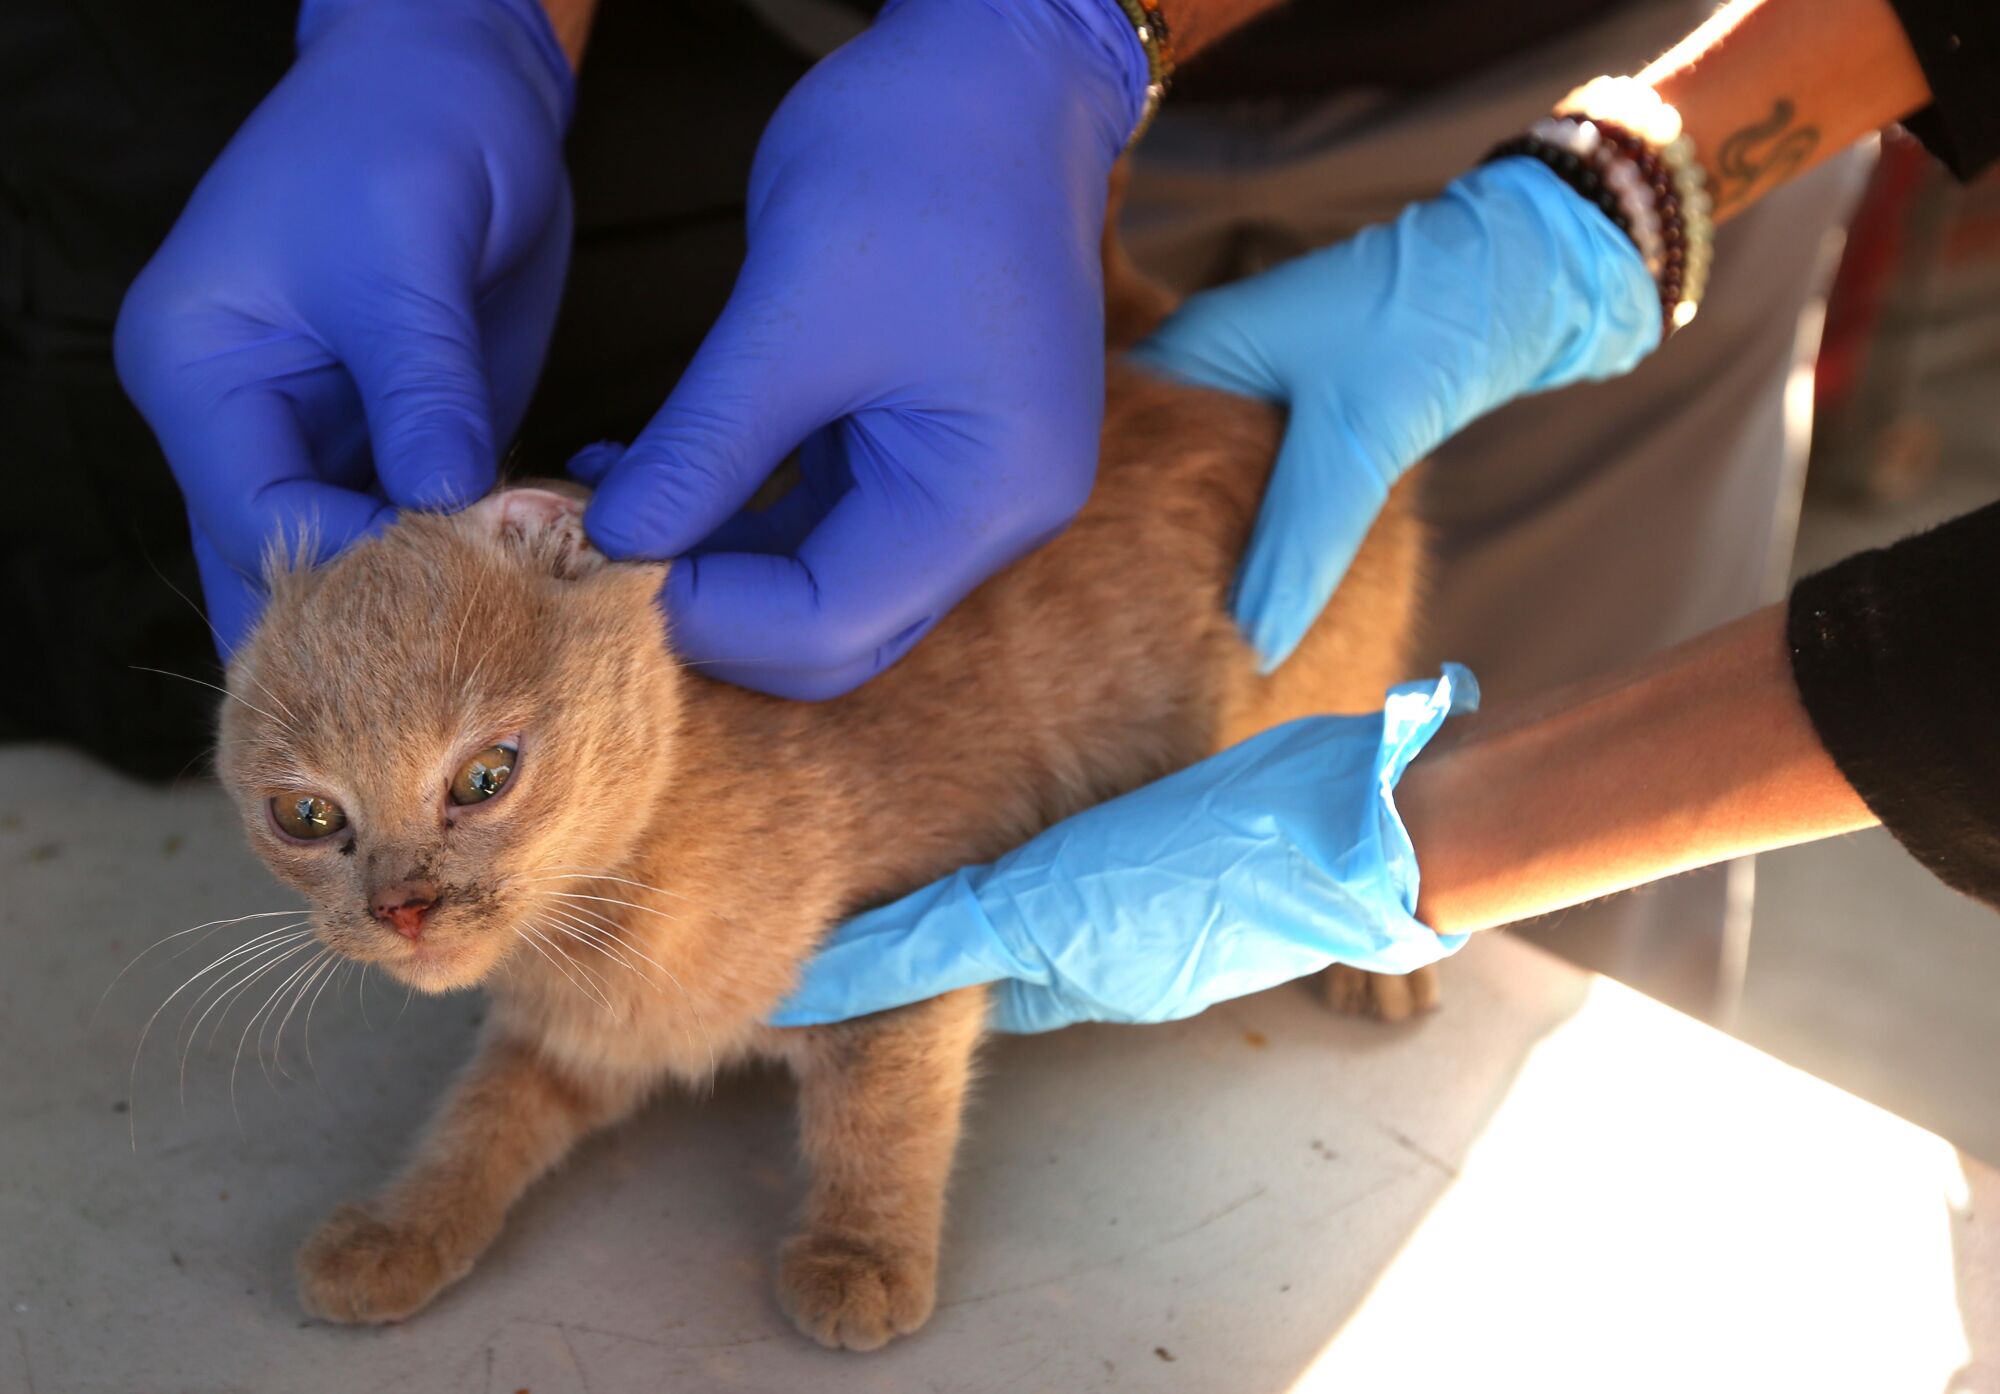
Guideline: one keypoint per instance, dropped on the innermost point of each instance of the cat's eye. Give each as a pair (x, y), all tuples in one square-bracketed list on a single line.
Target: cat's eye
[(484, 775), (307, 817)]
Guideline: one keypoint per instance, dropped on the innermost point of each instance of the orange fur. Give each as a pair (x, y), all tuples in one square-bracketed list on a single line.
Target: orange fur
[(680, 845)]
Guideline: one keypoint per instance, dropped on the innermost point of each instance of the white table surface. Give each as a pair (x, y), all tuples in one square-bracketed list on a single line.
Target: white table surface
[(1551, 1184)]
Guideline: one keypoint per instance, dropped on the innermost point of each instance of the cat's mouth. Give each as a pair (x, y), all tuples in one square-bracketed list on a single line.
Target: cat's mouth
[(432, 965), (456, 944)]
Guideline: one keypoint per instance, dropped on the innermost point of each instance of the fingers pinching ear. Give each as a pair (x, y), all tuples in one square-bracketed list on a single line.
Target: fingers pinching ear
[(874, 574), (737, 412), (271, 496), (423, 389), (590, 464)]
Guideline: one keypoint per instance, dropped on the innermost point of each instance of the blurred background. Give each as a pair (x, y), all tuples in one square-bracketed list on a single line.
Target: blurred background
[(1863, 969)]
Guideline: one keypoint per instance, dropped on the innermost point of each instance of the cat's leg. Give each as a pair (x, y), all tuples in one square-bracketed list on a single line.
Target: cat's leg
[(511, 1117), (1354, 652), (1384, 996), (880, 1101)]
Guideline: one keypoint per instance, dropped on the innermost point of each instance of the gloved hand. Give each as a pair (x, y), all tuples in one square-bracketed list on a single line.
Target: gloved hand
[(921, 306), (353, 308), (1273, 859), (1385, 345)]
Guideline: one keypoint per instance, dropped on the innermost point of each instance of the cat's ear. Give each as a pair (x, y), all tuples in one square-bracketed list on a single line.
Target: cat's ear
[(547, 527)]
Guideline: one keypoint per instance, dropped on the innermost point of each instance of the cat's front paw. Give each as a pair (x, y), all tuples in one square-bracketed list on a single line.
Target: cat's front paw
[(362, 1270), (848, 1293)]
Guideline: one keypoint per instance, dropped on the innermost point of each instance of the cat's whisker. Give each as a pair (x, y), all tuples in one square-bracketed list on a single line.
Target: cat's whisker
[(603, 941), (563, 871), (236, 992), (607, 930), (492, 564), (521, 932), (614, 900), (546, 927), (224, 990), (284, 934), (272, 695), (319, 967), (584, 873), (589, 912), (605, 873), (288, 933), (582, 904), (278, 995), (262, 1011), (612, 930), (615, 930), (491, 649), (132, 1085), (541, 928), (202, 615), (338, 975), (571, 930), (286, 992), (607, 945), (210, 925), (543, 923), (361, 995), (232, 992), (233, 696), (596, 919)]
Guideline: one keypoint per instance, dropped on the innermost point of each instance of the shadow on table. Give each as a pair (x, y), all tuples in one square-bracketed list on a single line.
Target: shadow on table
[(1552, 1174)]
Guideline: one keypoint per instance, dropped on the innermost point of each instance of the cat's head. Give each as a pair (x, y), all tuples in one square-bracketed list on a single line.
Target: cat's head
[(429, 729)]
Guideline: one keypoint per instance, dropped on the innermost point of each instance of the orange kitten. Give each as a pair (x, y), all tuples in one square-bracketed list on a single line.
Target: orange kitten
[(481, 766)]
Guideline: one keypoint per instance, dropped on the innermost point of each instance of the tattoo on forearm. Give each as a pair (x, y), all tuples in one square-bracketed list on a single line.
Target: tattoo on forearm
[(1767, 152)]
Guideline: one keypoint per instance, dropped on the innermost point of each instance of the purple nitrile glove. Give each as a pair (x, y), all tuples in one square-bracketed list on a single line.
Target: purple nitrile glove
[(351, 312), (921, 308)]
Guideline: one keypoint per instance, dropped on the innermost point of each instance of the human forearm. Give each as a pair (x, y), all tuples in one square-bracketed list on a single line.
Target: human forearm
[(571, 19), (1768, 88), (1198, 23), (1695, 757)]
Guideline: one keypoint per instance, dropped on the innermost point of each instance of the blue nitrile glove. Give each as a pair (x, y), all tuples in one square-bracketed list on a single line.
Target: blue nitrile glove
[(921, 307), (1385, 345), (1276, 858), (352, 310)]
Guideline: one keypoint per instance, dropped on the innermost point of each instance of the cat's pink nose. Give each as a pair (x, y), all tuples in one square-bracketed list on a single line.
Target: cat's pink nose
[(404, 907)]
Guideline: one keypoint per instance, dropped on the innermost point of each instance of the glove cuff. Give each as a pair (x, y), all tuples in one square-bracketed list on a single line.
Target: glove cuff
[(1411, 715), (1109, 30), (1599, 315), (527, 25)]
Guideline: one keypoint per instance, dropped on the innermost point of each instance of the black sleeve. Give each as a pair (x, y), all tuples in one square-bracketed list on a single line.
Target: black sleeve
[(1896, 653), (1957, 43)]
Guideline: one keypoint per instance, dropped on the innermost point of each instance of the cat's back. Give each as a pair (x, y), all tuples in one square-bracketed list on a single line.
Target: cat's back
[(1103, 660), (1182, 475)]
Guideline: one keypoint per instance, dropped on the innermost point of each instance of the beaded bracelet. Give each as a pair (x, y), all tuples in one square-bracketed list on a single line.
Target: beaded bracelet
[(1643, 123), (1576, 170), (1151, 26), (1640, 170), (1621, 174), (1680, 191)]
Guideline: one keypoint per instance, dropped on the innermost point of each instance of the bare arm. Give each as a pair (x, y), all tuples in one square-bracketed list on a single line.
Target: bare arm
[(1769, 88), (571, 19), (1195, 24), (1703, 753), (1694, 757)]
